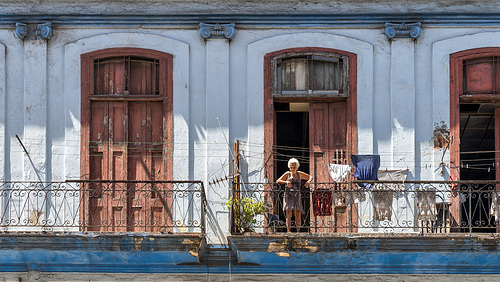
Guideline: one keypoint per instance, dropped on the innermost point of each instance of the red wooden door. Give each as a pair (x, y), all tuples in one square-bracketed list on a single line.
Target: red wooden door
[(126, 139), (328, 132), (147, 202), (127, 144), (108, 162)]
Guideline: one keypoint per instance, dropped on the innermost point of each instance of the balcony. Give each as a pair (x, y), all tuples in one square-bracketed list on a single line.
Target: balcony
[(154, 207), (412, 207)]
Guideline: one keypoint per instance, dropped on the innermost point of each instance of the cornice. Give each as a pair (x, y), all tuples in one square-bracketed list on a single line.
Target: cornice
[(374, 20)]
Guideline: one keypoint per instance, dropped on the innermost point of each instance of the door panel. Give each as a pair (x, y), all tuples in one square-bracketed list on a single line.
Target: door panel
[(127, 144), (328, 127), (319, 139)]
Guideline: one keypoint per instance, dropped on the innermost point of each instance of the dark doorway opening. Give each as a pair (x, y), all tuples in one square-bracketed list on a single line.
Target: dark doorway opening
[(292, 141), (477, 162)]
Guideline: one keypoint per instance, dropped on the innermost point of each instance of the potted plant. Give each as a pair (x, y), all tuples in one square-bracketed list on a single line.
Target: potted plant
[(245, 211)]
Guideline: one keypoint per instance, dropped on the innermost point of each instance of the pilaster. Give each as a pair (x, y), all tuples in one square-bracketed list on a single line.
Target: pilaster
[(218, 149), (35, 99), (402, 93)]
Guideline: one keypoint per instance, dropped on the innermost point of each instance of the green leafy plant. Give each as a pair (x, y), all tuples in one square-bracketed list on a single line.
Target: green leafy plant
[(244, 212)]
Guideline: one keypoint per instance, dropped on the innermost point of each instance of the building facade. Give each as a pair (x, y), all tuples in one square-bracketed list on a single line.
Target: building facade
[(97, 95)]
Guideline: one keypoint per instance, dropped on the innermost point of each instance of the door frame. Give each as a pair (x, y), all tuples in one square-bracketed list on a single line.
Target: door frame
[(456, 88), (165, 71), (166, 96), (270, 114)]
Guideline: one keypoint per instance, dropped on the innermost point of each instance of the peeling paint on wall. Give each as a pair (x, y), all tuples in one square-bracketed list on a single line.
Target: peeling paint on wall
[(441, 135), (194, 248), (138, 242), (296, 245)]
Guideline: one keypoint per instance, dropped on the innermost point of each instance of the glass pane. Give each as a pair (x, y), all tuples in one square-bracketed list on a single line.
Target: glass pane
[(310, 73), (294, 74), (326, 75)]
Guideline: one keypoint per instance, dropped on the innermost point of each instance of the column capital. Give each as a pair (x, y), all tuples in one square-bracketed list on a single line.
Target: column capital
[(225, 31), (402, 30), (44, 30), (21, 30)]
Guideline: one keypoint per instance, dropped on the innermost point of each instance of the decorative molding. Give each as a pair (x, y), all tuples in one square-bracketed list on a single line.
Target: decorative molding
[(304, 21), (402, 30), (44, 31), (21, 30), (209, 31)]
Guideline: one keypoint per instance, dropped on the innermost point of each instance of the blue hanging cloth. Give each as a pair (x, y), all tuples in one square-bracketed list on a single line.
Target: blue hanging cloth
[(366, 168)]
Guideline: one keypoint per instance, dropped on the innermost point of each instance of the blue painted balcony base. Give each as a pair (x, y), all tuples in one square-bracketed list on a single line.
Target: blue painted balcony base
[(251, 254), (100, 253), (358, 254)]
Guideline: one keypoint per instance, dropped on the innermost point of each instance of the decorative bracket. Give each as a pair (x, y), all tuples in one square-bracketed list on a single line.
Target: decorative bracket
[(208, 31), (21, 30), (44, 30), (403, 30)]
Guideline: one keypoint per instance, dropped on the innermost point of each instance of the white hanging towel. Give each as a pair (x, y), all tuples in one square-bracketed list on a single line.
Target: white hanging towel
[(339, 172), (495, 205)]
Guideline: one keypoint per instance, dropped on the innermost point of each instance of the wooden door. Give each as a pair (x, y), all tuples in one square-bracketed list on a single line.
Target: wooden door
[(126, 139), (108, 161), (127, 145), (328, 135), (147, 202)]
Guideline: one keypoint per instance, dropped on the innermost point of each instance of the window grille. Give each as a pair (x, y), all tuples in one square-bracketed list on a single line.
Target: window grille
[(126, 75)]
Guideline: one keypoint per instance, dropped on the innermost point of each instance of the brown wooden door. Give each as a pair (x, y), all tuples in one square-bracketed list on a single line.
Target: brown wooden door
[(126, 136), (127, 144), (328, 132), (328, 128), (147, 202), (108, 162)]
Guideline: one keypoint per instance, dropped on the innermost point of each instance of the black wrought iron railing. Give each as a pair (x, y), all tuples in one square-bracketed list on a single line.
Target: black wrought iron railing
[(103, 206), (381, 207)]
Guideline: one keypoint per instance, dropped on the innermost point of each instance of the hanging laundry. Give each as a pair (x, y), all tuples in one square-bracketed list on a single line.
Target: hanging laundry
[(339, 172), (355, 196), (426, 203), (383, 193), (495, 205), (366, 168), (322, 202), (393, 175), (382, 204), (338, 199)]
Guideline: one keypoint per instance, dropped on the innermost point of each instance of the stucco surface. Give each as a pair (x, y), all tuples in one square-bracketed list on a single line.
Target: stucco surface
[(244, 6)]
